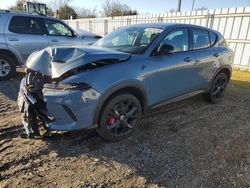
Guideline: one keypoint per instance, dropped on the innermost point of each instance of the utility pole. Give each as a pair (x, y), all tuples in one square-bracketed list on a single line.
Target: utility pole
[(179, 6), (193, 5)]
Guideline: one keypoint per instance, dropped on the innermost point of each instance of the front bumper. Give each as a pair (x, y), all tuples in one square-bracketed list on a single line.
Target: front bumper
[(70, 109)]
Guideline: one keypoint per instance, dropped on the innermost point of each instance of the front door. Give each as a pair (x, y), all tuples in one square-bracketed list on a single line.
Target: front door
[(173, 71), (60, 34)]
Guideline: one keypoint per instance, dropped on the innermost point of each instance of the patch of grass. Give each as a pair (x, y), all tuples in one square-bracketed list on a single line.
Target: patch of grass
[(241, 78)]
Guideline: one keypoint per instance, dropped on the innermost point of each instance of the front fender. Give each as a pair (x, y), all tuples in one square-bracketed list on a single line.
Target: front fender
[(116, 88)]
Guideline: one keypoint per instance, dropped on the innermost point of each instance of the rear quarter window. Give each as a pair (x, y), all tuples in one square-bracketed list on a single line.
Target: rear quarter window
[(222, 41), (213, 38), (2, 23)]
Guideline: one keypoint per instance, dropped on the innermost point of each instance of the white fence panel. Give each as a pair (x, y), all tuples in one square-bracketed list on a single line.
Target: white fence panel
[(232, 23)]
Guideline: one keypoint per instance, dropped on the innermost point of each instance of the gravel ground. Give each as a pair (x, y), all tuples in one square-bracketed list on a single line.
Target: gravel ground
[(187, 144)]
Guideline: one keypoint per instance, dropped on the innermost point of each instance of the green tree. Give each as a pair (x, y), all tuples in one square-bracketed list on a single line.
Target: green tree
[(65, 12), (55, 5), (116, 8), (86, 12), (50, 12), (18, 6)]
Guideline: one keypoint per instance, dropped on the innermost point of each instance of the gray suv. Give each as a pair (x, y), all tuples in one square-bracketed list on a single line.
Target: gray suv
[(23, 33)]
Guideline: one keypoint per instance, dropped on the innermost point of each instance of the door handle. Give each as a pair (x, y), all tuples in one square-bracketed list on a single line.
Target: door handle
[(216, 55), (187, 59), (54, 40), (13, 39)]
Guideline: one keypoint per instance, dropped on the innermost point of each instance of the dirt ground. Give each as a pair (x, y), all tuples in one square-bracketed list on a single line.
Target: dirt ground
[(187, 144)]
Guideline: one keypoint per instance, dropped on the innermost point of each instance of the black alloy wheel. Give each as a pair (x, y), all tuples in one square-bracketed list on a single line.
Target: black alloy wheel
[(218, 88), (119, 117)]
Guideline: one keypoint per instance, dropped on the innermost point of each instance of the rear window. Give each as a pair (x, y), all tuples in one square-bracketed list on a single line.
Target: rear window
[(201, 38), (26, 25)]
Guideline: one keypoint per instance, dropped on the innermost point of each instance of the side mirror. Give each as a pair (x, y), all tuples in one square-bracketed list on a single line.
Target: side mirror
[(75, 34), (165, 49), (72, 35)]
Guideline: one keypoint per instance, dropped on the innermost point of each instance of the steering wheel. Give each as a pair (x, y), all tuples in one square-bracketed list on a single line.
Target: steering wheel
[(143, 46)]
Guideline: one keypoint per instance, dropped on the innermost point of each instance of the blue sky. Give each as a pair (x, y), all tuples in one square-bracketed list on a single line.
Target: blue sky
[(151, 6)]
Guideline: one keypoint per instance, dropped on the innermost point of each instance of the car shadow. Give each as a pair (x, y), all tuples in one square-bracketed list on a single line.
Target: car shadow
[(10, 88), (10, 132), (171, 144), (156, 150)]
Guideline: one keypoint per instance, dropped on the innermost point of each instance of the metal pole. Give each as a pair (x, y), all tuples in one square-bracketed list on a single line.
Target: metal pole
[(179, 6), (193, 5)]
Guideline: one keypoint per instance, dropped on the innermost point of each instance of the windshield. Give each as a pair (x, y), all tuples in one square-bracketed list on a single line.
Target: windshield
[(131, 39)]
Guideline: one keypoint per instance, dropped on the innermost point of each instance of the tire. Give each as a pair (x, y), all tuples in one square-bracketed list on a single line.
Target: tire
[(7, 67), (119, 117), (218, 88)]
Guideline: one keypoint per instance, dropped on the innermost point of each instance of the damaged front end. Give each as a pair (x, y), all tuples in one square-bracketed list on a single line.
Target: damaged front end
[(62, 62), (67, 106)]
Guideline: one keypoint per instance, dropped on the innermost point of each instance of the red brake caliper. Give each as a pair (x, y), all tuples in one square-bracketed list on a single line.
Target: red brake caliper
[(111, 120)]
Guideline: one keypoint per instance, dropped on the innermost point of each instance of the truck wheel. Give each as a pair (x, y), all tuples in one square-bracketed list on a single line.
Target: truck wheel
[(7, 67)]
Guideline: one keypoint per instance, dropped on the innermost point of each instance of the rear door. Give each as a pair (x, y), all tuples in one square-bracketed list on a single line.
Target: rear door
[(60, 34), (26, 34), (206, 57)]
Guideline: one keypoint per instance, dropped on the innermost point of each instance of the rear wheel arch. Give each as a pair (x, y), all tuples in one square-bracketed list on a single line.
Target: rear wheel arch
[(135, 89), (10, 54), (225, 69)]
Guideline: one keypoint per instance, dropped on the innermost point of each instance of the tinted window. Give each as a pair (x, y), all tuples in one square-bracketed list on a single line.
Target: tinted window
[(200, 39), (57, 28), (178, 39), (26, 25), (212, 38)]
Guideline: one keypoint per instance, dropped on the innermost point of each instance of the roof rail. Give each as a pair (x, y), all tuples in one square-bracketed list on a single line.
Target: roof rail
[(2, 10), (21, 12)]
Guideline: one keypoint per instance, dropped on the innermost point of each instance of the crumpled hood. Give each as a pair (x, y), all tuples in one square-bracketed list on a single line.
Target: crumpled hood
[(55, 61)]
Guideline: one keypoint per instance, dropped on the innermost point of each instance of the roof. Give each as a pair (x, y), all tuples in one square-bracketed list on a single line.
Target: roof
[(20, 13), (164, 25), (161, 25)]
